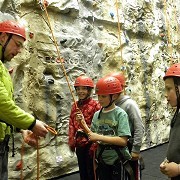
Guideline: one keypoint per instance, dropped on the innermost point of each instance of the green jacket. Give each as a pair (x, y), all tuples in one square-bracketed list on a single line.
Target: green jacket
[(9, 111)]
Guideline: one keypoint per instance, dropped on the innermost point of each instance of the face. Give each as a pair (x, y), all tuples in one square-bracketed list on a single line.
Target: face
[(13, 47), (104, 100), (170, 92), (82, 92)]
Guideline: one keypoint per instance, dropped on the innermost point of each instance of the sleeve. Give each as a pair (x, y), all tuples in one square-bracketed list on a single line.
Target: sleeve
[(11, 113), (123, 125), (72, 131), (93, 124), (137, 125)]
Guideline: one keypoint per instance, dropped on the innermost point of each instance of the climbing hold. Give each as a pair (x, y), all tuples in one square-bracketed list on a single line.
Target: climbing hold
[(60, 60), (161, 34), (112, 14), (94, 4), (122, 68), (10, 70), (19, 165), (51, 81), (48, 58), (31, 35), (63, 41), (100, 44)]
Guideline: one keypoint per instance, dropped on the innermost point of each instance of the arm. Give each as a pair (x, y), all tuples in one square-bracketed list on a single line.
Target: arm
[(81, 120), (12, 114), (136, 125), (72, 130), (120, 141)]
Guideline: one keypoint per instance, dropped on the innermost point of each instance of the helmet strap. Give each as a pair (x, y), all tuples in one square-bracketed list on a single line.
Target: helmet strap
[(4, 47), (110, 103), (178, 101)]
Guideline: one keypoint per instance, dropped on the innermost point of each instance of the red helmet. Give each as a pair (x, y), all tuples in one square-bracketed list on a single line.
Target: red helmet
[(13, 27), (120, 77), (108, 85), (84, 81), (173, 71)]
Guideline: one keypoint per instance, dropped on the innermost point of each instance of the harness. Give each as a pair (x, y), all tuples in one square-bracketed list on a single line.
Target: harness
[(4, 144), (121, 158)]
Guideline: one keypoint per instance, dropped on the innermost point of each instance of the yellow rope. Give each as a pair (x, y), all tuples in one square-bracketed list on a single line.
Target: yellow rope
[(169, 41), (177, 27), (119, 31)]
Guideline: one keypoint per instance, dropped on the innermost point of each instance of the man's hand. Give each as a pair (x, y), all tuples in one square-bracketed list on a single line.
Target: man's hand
[(30, 138), (40, 129)]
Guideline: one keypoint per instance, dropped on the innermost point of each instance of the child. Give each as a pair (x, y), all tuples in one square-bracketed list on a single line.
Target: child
[(77, 138), (171, 166), (136, 125), (110, 128)]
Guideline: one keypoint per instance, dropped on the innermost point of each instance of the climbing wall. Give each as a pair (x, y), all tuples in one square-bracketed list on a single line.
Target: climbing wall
[(137, 37)]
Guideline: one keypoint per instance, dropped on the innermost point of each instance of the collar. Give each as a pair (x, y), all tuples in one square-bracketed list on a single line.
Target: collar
[(0, 52), (86, 101)]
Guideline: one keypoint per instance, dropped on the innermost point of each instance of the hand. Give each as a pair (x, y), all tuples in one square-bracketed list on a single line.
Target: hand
[(135, 156), (93, 136), (40, 129), (170, 169), (79, 117), (30, 138)]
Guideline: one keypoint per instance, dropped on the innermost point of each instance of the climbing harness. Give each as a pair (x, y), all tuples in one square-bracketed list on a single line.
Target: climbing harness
[(125, 162)]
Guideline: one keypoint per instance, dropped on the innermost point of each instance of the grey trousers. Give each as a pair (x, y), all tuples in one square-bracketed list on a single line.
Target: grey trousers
[(3, 162)]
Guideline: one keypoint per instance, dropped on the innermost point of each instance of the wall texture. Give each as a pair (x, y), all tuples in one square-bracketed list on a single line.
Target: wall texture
[(138, 37)]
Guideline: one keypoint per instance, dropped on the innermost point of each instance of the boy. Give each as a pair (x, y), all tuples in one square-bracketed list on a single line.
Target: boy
[(110, 128), (171, 166), (135, 123)]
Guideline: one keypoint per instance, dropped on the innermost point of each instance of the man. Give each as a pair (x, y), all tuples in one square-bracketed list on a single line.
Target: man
[(12, 37)]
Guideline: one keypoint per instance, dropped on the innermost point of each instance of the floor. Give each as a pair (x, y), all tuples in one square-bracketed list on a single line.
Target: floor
[(152, 159)]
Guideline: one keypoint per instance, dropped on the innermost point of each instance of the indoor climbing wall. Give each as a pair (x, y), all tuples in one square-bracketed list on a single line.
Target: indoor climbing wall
[(68, 38)]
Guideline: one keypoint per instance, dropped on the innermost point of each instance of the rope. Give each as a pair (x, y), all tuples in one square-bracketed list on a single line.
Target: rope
[(22, 154), (169, 42), (85, 127), (51, 130), (37, 158), (119, 31), (43, 3), (58, 52), (175, 14), (120, 42)]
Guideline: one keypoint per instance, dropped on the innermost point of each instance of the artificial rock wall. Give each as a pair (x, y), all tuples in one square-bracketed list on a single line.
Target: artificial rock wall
[(95, 37)]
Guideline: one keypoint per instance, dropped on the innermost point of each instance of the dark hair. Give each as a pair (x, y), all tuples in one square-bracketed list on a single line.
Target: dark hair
[(177, 80)]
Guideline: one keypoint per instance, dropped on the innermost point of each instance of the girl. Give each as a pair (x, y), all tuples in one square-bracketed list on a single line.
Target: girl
[(78, 140)]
